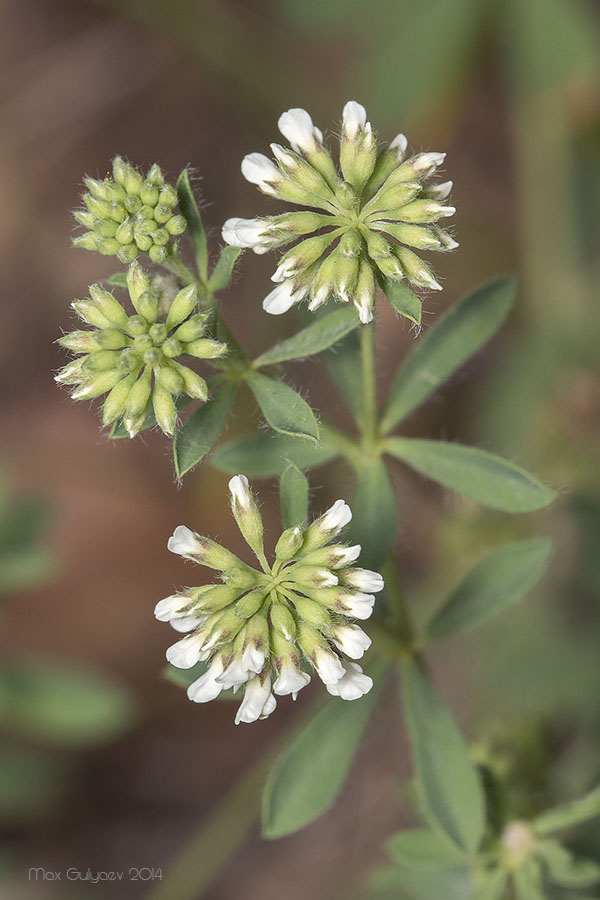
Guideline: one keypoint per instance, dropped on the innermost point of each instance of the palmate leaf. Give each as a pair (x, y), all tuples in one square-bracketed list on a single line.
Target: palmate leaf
[(293, 495), (483, 476), (497, 582), (448, 786), (283, 408), (318, 336), (199, 433), (420, 848), (266, 454), (456, 336), (191, 214), (374, 517), (311, 771)]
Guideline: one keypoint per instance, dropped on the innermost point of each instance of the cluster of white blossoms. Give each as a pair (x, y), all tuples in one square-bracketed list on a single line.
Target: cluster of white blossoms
[(264, 628), (370, 214)]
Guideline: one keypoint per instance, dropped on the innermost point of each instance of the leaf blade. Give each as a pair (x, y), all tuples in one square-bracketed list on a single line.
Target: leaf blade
[(419, 848), (448, 786), (310, 774), (293, 493), (264, 455), (191, 214), (494, 584), (568, 814), (222, 273), (456, 336), (199, 433), (477, 474), (316, 337), (403, 300), (283, 408)]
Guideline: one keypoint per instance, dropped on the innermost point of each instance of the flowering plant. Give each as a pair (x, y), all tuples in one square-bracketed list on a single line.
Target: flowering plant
[(267, 627)]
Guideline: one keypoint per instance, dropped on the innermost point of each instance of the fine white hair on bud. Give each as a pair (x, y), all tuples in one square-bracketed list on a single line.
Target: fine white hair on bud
[(363, 580), (351, 640), (352, 685), (283, 297), (258, 169), (354, 118), (240, 491), (183, 541), (297, 127)]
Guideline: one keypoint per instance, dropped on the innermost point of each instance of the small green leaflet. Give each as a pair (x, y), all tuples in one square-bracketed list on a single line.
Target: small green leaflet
[(119, 279), (375, 522), (497, 582), (402, 299), (422, 849), (199, 433), (564, 869), (221, 274), (569, 814), (456, 336), (448, 785), (293, 495), (265, 454), (284, 409), (311, 771), (318, 336), (394, 883), (483, 476), (191, 214)]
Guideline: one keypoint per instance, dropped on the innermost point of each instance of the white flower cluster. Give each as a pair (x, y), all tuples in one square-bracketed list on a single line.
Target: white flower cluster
[(377, 206), (257, 627)]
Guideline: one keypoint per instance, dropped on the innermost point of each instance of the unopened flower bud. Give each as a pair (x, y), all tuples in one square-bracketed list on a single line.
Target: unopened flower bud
[(289, 543), (246, 512), (283, 621)]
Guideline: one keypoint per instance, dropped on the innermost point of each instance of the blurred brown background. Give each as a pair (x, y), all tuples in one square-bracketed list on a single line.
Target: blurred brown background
[(511, 91)]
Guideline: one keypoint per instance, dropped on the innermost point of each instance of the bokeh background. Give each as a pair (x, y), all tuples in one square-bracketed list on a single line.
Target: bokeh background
[(104, 765)]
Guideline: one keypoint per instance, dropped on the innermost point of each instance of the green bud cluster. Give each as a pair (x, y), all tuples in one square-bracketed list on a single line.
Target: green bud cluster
[(134, 359), (128, 213), (380, 206), (263, 627)]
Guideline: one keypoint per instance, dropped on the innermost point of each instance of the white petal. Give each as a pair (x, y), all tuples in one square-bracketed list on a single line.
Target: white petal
[(352, 685), (228, 233), (253, 658), (359, 606), (282, 298), (269, 707), (351, 640), (297, 127), (256, 697), (363, 580), (260, 170), (186, 652), (336, 516), (427, 161), (328, 666), (240, 491), (235, 674), (399, 144), (364, 305), (345, 555), (354, 118), (187, 623), (173, 607), (290, 679), (207, 687), (183, 541)]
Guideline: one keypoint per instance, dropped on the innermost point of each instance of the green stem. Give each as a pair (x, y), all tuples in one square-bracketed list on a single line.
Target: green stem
[(347, 447), (369, 386)]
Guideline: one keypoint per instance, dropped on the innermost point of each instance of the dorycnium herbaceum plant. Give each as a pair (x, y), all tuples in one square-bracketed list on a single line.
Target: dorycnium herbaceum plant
[(325, 591)]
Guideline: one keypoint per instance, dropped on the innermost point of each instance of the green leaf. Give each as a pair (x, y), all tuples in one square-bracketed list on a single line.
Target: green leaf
[(119, 279), (374, 518), (343, 362), (191, 214), (293, 494), (423, 849), (31, 783), (493, 887), (403, 300), (569, 814), (564, 870), (311, 771), (222, 273), (264, 455), (484, 477), (456, 336), (448, 786), (23, 560), (283, 408), (497, 582), (527, 882), (198, 434), (318, 336), (64, 705), (393, 883)]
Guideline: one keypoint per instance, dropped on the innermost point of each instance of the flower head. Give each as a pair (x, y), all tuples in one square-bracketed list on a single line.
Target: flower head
[(128, 213), (134, 359), (366, 218), (268, 628)]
